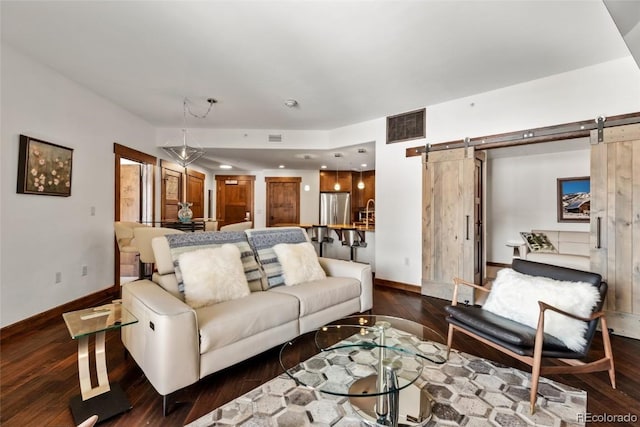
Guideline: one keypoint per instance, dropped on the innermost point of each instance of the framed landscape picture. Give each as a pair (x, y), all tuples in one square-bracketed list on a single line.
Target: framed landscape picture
[(574, 199), (44, 168)]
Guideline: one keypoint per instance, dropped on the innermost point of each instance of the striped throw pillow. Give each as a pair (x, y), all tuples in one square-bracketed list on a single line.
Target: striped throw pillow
[(186, 242), (262, 242)]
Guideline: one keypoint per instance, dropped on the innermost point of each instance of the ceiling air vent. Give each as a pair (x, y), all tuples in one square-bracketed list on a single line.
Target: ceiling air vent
[(406, 126), (275, 138)]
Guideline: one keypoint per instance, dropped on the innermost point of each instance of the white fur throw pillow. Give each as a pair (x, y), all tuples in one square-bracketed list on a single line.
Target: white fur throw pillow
[(299, 263), (515, 296), (213, 275)]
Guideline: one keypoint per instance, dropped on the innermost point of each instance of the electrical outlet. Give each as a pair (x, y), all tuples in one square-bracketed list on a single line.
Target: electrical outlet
[(406, 261), (85, 270), (93, 211), (58, 277)]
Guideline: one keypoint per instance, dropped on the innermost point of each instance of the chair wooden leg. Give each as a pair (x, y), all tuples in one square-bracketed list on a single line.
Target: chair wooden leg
[(606, 340), (537, 362), (449, 339)]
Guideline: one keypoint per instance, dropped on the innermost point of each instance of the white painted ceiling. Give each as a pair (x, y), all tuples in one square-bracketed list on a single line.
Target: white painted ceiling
[(343, 61)]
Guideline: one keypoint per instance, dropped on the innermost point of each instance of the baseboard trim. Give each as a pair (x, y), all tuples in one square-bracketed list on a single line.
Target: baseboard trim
[(396, 285), (498, 264), (55, 314)]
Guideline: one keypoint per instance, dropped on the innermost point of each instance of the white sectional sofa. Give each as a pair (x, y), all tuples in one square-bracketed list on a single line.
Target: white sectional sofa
[(571, 249), (176, 345)]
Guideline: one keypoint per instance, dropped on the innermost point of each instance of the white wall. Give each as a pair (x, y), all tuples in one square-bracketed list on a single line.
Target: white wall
[(522, 195), (42, 235), (606, 89)]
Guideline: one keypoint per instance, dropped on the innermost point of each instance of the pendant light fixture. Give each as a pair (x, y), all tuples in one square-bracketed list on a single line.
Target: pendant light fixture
[(336, 186), (186, 154), (361, 183)]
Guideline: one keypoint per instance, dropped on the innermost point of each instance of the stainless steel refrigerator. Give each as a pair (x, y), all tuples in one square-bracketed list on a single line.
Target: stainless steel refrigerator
[(335, 208)]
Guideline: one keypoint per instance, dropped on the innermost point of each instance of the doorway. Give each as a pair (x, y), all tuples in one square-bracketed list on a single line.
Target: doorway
[(134, 201), (283, 200), (180, 184), (234, 198)]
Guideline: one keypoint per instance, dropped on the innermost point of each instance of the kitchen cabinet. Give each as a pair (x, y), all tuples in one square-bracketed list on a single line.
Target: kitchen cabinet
[(360, 196), (328, 180)]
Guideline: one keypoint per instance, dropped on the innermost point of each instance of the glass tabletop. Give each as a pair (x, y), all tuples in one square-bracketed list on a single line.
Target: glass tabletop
[(89, 321), (335, 357)]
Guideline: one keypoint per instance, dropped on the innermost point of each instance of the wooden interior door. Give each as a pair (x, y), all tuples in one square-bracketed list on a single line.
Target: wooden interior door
[(451, 221), (615, 223), (195, 192), (171, 189), (283, 200), (234, 198)]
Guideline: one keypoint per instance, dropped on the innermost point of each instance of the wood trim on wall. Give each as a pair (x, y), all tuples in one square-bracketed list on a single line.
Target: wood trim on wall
[(572, 130), (397, 285), (122, 152), (55, 314), (132, 154)]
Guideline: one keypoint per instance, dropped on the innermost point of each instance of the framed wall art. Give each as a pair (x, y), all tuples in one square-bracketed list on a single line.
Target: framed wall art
[(574, 199), (44, 168)]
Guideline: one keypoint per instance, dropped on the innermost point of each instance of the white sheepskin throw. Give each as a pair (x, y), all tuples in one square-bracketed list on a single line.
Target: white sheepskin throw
[(515, 296), (299, 263), (213, 275)]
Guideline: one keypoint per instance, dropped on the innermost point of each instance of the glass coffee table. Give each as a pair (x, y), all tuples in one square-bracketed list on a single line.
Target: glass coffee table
[(105, 399), (376, 361)]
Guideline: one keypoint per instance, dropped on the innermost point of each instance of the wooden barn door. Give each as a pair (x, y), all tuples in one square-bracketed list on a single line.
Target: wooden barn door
[(452, 221), (615, 223)]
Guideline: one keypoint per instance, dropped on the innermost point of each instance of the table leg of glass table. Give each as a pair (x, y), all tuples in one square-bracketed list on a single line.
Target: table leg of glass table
[(105, 400), (87, 390)]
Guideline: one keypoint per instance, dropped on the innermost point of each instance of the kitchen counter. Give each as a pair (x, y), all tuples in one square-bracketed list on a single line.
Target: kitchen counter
[(357, 226)]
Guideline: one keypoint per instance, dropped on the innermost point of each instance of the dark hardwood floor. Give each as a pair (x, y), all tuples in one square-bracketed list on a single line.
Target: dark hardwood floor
[(39, 373)]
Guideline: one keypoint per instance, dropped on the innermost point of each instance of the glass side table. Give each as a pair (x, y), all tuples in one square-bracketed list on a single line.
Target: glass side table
[(374, 361), (105, 400)]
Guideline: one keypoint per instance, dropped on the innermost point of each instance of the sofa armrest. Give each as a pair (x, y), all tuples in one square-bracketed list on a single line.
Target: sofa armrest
[(165, 341), (362, 272)]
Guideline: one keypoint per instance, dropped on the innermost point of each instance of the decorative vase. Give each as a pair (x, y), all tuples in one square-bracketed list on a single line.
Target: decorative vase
[(185, 213)]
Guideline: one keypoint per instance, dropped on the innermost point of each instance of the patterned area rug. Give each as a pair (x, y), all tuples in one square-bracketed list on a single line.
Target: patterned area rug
[(467, 391)]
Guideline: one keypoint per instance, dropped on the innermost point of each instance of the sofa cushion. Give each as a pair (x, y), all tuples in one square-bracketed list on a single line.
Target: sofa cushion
[(213, 275), (538, 242), (515, 296), (299, 263), (230, 321), (320, 294), (181, 243), (262, 242)]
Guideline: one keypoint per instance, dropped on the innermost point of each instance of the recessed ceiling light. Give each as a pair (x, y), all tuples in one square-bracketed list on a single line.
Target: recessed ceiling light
[(226, 167), (291, 103), (281, 166), (323, 167), (364, 165)]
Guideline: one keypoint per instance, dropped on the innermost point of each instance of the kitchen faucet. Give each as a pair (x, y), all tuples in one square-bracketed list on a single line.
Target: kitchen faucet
[(366, 214)]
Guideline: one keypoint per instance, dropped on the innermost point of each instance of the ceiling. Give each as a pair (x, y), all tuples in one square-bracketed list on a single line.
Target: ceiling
[(344, 62)]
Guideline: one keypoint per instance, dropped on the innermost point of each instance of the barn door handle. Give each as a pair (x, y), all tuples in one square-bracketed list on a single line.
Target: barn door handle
[(598, 232), (467, 227)]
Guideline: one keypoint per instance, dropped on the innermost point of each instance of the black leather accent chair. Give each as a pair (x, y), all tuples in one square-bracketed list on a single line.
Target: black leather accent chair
[(531, 345)]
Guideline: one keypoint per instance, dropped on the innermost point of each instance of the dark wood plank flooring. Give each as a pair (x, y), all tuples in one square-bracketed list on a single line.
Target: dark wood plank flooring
[(39, 374)]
